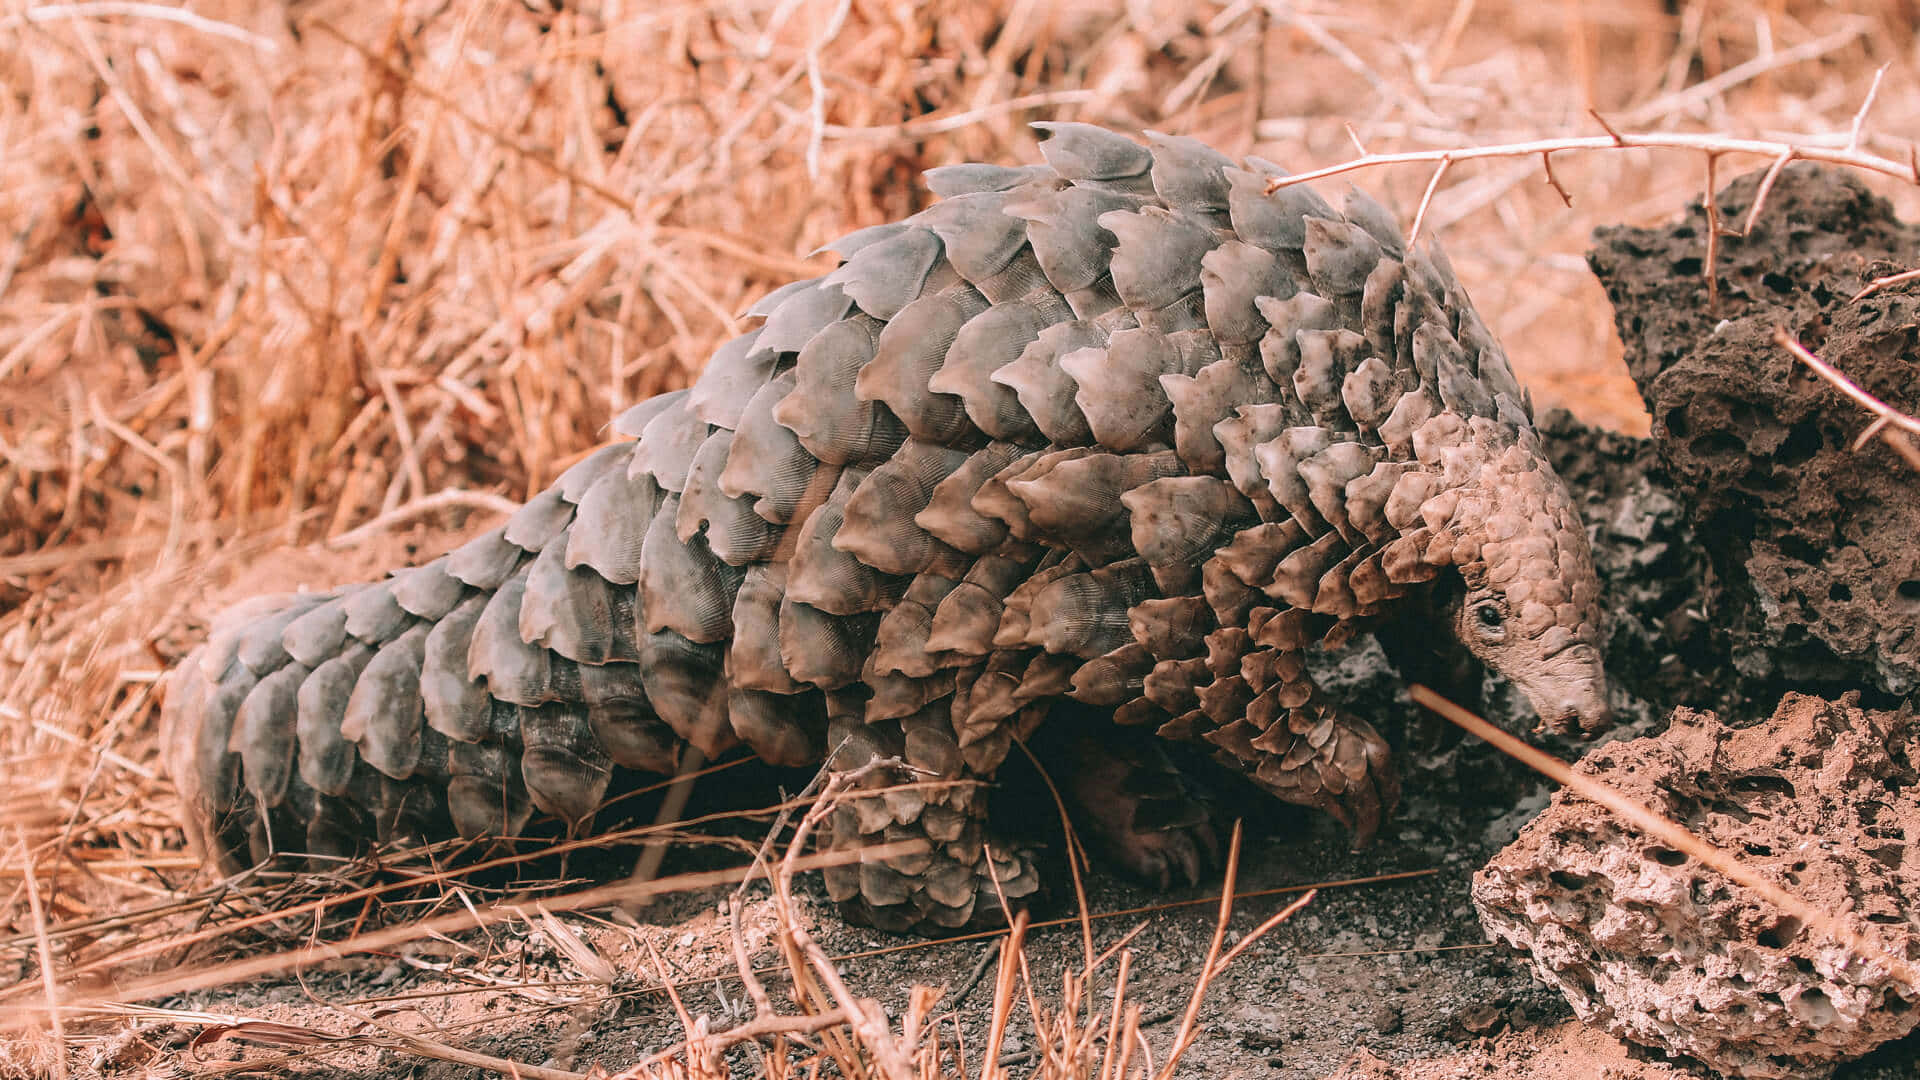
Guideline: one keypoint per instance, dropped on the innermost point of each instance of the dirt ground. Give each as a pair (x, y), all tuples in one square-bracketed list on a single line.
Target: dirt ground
[(192, 229)]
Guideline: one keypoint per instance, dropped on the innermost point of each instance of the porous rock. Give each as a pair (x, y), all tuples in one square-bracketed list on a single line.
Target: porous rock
[(1811, 537), (1649, 943)]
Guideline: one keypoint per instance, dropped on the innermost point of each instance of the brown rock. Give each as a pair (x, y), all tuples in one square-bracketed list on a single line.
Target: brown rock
[(1809, 537), (1658, 949), (1482, 1019)]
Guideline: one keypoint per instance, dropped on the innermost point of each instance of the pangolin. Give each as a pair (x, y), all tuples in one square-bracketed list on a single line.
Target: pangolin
[(1118, 438)]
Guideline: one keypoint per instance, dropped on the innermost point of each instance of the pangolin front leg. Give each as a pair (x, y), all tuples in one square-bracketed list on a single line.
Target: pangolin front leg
[(1132, 803)]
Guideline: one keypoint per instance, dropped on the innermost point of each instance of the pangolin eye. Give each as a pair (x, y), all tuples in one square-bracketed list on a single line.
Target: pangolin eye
[(1492, 621)]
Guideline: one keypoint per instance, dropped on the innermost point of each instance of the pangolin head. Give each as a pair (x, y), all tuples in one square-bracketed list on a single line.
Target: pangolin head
[(1529, 603)]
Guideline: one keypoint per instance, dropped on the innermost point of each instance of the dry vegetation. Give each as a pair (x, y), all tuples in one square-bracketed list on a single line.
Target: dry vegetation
[(291, 293)]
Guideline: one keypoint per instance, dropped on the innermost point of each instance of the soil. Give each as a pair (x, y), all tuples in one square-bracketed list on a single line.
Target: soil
[(1745, 550)]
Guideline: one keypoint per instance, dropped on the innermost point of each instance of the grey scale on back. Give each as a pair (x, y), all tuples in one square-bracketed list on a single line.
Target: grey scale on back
[(1123, 428)]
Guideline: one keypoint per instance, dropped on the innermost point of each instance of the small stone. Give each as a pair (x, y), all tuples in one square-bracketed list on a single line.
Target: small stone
[(1480, 1019), (1387, 1020), (1261, 1039)]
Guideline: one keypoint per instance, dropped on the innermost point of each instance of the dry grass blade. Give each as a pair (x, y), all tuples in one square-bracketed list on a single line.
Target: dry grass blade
[(444, 499), (272, 1033), (53, 1003), (253, 967), (1076, 852)]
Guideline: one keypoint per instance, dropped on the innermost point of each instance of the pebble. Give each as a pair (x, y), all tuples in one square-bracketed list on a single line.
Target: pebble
[(1480, 1019), (1387, 1020)]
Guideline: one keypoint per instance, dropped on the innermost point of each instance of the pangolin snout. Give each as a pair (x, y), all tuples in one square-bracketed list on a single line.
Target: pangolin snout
[(1567, 687), (1571, 695), (1587, 713)]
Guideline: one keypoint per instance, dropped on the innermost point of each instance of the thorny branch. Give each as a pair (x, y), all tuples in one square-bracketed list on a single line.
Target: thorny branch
[(1713, 146), (1908, 171)]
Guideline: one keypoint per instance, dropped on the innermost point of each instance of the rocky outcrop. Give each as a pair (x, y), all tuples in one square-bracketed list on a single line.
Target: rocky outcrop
[(1811, 538)]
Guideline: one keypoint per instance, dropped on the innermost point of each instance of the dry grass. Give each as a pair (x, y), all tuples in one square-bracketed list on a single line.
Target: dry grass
[(268, 275)]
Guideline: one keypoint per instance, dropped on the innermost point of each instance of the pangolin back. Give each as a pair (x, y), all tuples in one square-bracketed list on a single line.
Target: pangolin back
[(1124, 428)]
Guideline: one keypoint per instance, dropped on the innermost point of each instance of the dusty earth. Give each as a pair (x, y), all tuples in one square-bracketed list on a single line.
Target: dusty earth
[(1746, 550)]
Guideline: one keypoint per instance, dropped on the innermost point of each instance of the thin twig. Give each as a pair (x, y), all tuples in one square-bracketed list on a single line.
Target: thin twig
[(1711, 145), (1707, 90), (447, 499), (958, 995), (1884, 282), (1426, 200), (817, 85), (1076, 851), (672, 807), (1765, 189), (276, 1033), (520, 148), (758, 1028), (108, 9), (1546, 163), (1261, 931), (939, 125), (1866, 105), (1209, 968), (756, 990), (862, 1015), (1888, 417), (1353, 136), (1710, 269)]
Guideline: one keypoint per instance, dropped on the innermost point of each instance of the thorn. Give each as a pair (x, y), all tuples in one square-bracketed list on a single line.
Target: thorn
[(1765, 189), (1546, 162), (1886, 281), (1860, 118), (1354, 135), (1602, 121), (1420, 215)]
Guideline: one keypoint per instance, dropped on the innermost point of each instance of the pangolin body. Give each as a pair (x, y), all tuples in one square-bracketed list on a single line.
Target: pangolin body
[(1123, 428)]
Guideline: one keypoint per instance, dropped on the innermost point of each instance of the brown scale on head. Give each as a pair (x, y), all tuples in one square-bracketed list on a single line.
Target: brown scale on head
[(1530, 603), (1113, 440)]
